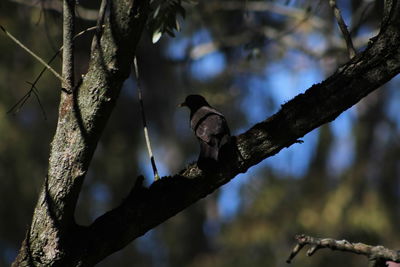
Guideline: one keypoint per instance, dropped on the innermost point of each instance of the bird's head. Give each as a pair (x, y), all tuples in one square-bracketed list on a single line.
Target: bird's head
[(194, 102)]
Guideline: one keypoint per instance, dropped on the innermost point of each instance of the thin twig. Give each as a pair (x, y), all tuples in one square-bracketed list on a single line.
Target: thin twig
[(20, 102), (343, 28), (101, 16), (25, 98), (146, 133), (377, 255), (31, 53), (36, 93), (68, 43), (100, 21), (17, 106)]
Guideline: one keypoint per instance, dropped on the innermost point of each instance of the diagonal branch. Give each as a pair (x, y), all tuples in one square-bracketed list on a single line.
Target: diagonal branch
[(144, 121), (47, 66), (145, 208), (377, 255)]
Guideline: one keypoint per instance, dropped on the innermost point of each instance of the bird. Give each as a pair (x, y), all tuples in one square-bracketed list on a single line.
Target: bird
[(210, 128)]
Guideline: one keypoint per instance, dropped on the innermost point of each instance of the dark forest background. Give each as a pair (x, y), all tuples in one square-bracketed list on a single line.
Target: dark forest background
[(247, 58)]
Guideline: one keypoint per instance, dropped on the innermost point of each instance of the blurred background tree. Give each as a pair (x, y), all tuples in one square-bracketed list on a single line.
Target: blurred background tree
[(247, 58)]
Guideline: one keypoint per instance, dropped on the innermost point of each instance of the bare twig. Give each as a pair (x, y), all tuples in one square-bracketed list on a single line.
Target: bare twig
[(100, 21), (36, 93), (17, 106), (68, 44), (377, 255), (31, 53), (343, 28), (20, 103), (101, 15), (23, 100), (146, 133)]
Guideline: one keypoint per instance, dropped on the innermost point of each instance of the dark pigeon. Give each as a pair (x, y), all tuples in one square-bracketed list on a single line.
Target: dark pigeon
[(210, 128)]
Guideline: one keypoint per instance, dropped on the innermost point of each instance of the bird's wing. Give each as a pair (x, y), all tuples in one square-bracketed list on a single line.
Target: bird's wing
[(200, 115), (211, 126)]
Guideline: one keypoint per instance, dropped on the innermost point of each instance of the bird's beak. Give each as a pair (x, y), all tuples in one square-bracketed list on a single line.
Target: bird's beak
[(182, 105)]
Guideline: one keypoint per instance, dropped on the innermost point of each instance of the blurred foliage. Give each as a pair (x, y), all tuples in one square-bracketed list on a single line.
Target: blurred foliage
[(247, 58)]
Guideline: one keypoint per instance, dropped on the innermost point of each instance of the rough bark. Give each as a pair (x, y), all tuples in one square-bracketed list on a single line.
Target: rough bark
[(55, 240)]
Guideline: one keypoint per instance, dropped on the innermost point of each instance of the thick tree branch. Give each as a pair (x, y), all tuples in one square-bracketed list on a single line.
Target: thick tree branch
[(377, 255), (145, 208)]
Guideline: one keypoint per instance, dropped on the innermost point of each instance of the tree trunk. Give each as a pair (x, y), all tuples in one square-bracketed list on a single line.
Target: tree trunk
[(53, 238)]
